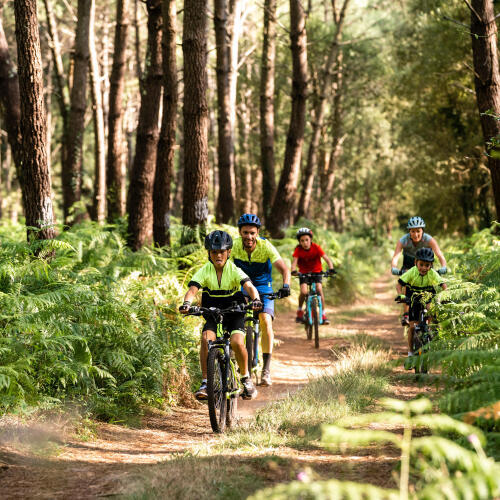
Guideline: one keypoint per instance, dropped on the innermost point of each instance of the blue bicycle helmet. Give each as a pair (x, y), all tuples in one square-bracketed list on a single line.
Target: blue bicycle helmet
[(415, 222), (218, 240), (249, 220), (425, 254)]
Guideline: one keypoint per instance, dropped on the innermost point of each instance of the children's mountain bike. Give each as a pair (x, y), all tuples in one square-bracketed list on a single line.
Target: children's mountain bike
[(422, 335), (252, 336), (314, 305), (223, 382)]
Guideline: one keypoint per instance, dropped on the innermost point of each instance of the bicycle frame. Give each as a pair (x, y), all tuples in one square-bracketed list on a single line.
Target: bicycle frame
[(311, 294)]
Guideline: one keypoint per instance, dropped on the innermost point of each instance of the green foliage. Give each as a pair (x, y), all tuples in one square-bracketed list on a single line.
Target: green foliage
[(432, 466), (95, 322)]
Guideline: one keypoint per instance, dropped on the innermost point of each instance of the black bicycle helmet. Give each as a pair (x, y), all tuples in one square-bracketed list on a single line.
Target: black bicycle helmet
[(302, 231), (425, 254), (218, 240), (415, 222), (249, 220)]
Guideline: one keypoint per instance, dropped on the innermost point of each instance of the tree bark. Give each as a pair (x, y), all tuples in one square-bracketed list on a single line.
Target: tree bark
[(99, 199), (194, 46), (267, 106), (166, 143), (35, 178), (10, 100), (140, 193), (73, 141), (225, 150), (487, 84), (284, 199), (325, 84), (115, 176)]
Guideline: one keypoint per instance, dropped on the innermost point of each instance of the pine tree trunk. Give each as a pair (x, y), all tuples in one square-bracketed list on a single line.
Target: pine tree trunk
[(284, 199), (35, 178), (225, 149), (267, 106), (140, 193), (10, 100), (99, 199), (194, 46), (73, 141), (325, 83), (487, 84), (166, 143), (114, 167)]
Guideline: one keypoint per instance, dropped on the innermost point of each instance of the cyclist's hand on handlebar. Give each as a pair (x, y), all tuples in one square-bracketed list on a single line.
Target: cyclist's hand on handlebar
[(184, 309), (443, 270), (400, 298), (284, 291), (395, 271), (257, 304), (294, 273), (331, 272)]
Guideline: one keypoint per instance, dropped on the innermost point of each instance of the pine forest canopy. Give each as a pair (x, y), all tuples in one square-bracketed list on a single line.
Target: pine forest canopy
[(353, 113)]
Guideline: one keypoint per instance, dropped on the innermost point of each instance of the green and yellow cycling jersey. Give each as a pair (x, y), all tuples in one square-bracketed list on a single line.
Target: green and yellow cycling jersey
[(257, 265), (221, 294), (416, 282)]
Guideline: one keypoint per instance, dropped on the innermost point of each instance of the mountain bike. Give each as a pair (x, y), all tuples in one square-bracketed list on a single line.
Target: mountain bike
[(314, 305), (422, 335), (223, 383), (252, 336)]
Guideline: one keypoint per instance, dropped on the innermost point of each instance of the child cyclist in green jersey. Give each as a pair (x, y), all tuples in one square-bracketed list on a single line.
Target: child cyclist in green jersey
[(307, 256), (419, 279), (221, 282)]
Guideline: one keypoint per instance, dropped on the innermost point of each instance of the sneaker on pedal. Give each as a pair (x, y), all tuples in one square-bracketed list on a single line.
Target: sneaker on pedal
[(201, 393), (265, 378), (249, 390), (326, 321), (405, 320), (300, 317)]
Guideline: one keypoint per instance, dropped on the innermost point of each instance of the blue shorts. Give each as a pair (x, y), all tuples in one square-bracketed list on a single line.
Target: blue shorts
[(266, 301)]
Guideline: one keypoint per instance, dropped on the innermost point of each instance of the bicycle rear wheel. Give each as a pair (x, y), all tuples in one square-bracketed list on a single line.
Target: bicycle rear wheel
[(217, 403), (315, 318)]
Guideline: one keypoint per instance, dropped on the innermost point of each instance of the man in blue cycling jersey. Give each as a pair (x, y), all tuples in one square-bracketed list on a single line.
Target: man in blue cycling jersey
[(256, 256)]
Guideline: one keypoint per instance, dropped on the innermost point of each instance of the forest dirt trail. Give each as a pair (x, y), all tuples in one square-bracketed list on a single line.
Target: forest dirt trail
[(46, 460)]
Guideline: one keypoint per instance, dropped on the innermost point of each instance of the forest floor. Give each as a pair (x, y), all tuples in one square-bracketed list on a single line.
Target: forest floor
[(49, 459)]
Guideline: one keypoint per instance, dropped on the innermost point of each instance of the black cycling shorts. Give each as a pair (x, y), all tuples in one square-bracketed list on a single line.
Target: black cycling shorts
[(230, 322), (415, 308), (316, 278)]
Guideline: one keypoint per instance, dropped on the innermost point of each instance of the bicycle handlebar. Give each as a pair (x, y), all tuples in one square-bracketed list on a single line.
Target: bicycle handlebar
[(326, 274), (214, 311)]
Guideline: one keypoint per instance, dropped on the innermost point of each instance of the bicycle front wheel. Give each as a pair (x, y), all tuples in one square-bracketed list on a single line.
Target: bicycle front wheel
[(232, 402), (315, 318), (249, 345), (307, 323), (217, 403)]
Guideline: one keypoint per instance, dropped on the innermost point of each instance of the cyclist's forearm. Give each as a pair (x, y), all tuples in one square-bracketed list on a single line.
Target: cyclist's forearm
[(328, 261), (191, 294), (283, 269), (399, 288), (251, 290)]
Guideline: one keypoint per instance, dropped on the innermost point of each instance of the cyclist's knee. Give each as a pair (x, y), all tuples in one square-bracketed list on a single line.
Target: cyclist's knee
[(266, 321), (237, 339), (303, 289), (207, 335)]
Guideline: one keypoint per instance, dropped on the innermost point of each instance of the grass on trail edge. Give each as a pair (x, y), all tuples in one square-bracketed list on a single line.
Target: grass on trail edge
[(257, 454)]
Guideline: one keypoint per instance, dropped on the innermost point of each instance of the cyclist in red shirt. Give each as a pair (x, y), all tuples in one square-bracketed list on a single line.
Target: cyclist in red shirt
[(307, 255)]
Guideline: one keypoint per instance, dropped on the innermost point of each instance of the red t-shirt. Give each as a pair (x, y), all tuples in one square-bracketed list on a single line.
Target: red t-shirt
[(309, 261)]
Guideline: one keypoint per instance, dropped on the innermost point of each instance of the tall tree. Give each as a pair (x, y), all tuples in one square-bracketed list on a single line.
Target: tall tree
[(73, 141), (99, 199), (225, 149), (166, 143), (35, 178), (327, 74), (10, 101), (487, 84), (284, 199), (140, 193), (267, 105), (194, 47), (115, 175)]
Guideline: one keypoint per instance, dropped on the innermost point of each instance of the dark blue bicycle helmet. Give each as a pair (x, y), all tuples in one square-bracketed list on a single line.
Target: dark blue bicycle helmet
[(249, 220), (425, 254), (415, 222), (218, 240)]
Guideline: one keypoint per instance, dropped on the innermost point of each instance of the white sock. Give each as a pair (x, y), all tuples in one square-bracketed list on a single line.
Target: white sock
[(203, 380), (410, 353), (246, 375)]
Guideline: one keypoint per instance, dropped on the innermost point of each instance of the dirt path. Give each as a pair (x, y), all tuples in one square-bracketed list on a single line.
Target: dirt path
[(46, 461)]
